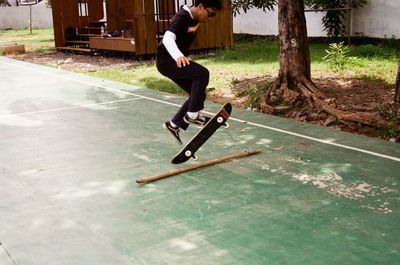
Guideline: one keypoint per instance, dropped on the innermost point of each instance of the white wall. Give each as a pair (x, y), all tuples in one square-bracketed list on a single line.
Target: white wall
[(377, 19), (257, 22), (18, 17)]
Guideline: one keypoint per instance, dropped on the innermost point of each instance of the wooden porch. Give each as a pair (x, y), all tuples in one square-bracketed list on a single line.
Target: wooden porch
[(133, 26)]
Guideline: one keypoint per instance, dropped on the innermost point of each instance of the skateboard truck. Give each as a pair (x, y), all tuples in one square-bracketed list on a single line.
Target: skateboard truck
[(188, 153)]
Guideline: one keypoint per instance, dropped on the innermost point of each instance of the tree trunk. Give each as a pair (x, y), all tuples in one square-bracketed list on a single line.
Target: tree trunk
[(294, 55), (294, 82)]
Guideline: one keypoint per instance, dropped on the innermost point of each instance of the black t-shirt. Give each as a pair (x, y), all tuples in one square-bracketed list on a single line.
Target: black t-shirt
[(184, 27)]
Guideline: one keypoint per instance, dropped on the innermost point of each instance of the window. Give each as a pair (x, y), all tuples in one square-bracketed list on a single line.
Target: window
[(83, 8)]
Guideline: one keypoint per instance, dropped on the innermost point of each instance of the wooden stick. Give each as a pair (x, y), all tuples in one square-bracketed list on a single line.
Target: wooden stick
[(200, 165)]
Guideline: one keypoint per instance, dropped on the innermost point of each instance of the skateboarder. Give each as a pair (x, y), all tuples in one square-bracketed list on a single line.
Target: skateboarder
[(173, 63)]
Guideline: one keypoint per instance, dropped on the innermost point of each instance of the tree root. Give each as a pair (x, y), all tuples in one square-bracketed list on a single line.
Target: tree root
[(310, 92)]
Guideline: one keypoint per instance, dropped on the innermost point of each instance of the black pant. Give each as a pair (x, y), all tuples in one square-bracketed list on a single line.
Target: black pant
[(192, 78)]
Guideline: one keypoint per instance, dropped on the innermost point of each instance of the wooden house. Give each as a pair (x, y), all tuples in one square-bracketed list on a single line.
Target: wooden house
[(129, 25)]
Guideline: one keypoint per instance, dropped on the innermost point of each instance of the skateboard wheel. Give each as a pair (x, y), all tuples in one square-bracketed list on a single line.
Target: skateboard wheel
[(226, 125), (220, 120), (188, 153), (195, 157)]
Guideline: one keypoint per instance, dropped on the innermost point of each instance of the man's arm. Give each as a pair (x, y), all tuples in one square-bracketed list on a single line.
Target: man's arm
[(169, 41)]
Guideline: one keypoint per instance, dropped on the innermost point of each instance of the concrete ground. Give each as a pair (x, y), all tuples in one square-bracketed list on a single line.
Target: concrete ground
[(72, 147)]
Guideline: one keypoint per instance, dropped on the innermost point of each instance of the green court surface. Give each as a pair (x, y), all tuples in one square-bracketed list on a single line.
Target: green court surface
[(72, 147)]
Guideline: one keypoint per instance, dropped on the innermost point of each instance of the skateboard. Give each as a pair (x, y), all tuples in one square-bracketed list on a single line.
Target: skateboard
[(189, 150)]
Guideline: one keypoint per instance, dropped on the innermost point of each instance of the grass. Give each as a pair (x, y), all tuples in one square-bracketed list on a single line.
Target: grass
[(39, 40), (145, 75), (250, 57)]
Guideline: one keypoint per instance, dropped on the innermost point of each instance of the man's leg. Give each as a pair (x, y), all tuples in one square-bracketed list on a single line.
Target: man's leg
[(192, 78), (198, 89), (178, 117)]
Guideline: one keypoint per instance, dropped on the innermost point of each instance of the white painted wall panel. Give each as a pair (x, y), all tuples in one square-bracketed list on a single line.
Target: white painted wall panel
[(379, 18), (18, 17), (257, 22)]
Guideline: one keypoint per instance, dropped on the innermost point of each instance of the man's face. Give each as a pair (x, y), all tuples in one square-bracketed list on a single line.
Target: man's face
[(206, 12)]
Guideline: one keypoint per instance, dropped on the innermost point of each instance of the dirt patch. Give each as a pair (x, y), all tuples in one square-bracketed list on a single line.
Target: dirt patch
[(359, 95), (75, 62), (346, 92)]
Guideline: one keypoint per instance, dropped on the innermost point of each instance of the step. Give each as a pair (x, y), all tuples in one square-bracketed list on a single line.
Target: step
[(77, 41), (76, 49), (87, 35)]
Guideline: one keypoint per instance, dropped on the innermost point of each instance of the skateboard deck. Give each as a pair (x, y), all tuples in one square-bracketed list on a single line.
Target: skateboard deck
[(189, 150)]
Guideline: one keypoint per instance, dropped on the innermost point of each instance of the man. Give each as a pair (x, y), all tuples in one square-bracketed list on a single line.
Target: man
[(173, 63)]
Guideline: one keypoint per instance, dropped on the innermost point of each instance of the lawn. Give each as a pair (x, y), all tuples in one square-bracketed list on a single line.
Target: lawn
[(249, 57), (39, 40)]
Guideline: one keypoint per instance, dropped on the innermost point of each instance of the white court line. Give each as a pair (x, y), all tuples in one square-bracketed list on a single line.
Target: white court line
[(66, 108), (235, 119)]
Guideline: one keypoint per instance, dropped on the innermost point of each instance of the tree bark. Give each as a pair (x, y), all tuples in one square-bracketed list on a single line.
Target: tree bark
[(294, 55)]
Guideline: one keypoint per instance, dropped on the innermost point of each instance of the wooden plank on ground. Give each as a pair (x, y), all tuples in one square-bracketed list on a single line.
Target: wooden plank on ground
[(13, 49), (74, 49)]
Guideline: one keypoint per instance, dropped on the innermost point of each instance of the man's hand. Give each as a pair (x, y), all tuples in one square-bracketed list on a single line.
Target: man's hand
[(182, 61)]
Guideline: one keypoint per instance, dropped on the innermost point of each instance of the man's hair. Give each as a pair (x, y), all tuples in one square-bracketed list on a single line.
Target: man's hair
[(217, 4)]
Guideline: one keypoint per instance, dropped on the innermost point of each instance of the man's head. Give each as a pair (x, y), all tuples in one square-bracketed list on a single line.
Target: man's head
[(214, 4), (207, 8)]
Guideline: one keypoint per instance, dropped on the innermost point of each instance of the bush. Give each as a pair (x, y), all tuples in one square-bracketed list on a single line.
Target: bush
[(337, 55)]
